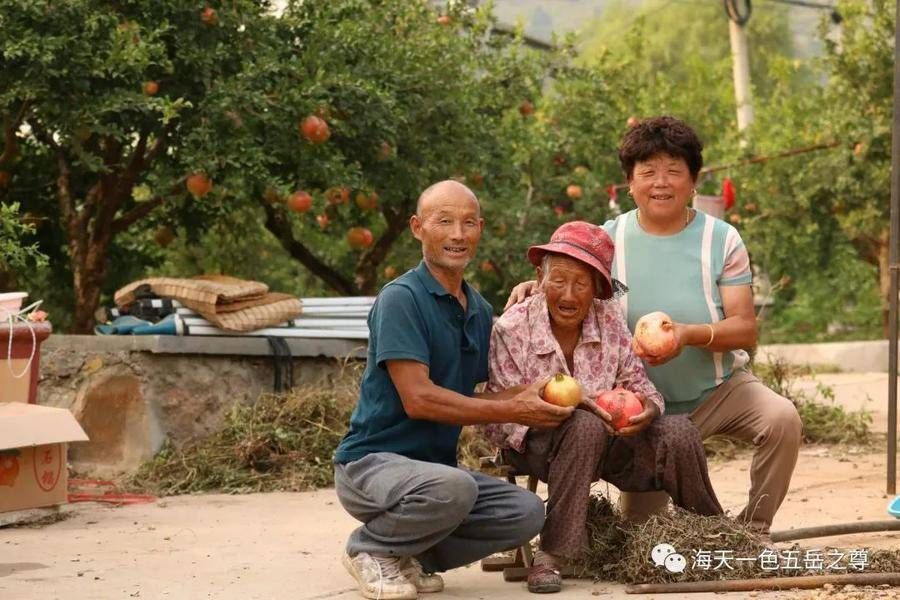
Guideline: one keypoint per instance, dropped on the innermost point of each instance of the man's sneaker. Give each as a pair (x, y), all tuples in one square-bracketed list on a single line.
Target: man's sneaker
[(379, 577), (425, 582)]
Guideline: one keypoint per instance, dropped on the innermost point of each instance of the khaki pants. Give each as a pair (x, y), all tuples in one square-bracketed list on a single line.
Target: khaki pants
[(745, 409)]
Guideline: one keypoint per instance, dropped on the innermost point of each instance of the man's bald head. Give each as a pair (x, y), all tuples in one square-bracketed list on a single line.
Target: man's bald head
[(448, 188), (448, 223)]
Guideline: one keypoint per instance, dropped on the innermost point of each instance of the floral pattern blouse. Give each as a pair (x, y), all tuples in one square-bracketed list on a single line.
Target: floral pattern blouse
[(523, 350)]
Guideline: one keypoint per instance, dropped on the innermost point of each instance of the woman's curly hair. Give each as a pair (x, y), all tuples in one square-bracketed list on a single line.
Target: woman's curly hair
[(658, 135)]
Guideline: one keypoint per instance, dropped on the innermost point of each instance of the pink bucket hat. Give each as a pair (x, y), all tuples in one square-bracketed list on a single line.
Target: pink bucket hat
[(585, 242)]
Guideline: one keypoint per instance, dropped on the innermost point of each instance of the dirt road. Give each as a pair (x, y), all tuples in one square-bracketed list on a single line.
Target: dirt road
[(287, 546)]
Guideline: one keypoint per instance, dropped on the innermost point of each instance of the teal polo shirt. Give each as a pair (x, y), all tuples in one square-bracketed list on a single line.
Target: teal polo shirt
[(415, 318)]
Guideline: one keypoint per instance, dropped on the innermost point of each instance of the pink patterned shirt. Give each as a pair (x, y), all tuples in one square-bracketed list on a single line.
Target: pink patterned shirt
[(523, 350)]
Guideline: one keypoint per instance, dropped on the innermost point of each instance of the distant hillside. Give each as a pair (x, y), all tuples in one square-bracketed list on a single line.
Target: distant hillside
[(544, 17)]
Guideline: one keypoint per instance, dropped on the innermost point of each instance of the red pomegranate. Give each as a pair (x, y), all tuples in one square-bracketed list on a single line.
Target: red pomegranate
[(655, 333), (620, 404)]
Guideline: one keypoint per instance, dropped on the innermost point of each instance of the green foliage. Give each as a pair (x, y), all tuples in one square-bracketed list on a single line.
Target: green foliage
[(686, 70), (816, 221), (828, 423), (15, 251), (408, 102), (823, 420), (554, 148), (820, 219)]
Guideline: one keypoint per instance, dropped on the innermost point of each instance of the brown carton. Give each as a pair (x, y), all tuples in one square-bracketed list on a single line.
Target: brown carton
[(33, 443), (18, 376)]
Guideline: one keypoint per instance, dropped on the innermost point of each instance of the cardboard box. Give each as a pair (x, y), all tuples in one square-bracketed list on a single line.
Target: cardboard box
[(26, 345), (33, 445)]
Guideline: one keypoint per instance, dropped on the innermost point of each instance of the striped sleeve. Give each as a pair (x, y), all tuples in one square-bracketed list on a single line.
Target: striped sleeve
[(736, 268)]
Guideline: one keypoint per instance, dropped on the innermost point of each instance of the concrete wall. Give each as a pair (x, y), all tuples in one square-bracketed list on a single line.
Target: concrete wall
[(131, 393), (848, 357)]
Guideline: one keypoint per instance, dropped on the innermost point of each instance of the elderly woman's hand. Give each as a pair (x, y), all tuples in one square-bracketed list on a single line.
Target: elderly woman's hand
[(641, 421), (661, 359), (589, 404), (520, 292)]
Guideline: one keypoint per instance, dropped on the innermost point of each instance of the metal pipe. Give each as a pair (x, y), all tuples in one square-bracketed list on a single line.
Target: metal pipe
[(767, 583), (837, 529), (894, 273)]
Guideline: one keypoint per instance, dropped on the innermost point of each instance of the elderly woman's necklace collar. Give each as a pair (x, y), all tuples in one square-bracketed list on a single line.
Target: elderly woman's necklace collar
[(688, 217)]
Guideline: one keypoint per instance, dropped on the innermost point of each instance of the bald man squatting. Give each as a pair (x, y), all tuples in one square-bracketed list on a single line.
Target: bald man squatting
[(396, 470)]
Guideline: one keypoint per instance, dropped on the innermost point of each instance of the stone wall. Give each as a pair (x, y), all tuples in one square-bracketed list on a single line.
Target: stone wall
[(130, 394)]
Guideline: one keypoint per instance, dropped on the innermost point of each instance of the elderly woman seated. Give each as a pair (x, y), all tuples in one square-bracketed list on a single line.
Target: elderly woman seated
[(573, 326)]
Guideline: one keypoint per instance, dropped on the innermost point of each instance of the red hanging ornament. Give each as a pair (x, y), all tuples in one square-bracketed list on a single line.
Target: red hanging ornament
[(728, 193), (612, 192)]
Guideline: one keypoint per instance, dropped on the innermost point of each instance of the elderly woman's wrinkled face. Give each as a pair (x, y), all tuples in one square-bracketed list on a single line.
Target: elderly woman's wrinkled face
[(570, 288), (662, 186)]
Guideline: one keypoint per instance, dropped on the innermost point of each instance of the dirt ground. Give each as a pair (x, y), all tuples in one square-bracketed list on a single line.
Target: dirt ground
[(280, 546)]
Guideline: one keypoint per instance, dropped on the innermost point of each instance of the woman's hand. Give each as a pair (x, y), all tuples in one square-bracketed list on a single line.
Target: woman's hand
[(520, 292), (590, 405), (641, 421), (679, 330)]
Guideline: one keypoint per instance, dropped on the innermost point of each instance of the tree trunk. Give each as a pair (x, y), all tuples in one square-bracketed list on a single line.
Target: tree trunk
[(366, 275), (279, 225), (8, 280), (89, 273), (91, 222)]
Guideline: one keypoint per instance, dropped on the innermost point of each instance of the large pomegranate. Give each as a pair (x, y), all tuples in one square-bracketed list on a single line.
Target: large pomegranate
[(620, 404), (563, 390), (655, 333), (314, 129), (198, 184)]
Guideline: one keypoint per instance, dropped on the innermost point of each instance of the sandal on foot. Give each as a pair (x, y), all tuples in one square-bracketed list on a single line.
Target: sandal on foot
[(544, 579)]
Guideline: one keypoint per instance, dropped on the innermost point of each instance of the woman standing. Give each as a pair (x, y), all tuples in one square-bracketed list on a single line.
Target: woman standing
[(695, 268)]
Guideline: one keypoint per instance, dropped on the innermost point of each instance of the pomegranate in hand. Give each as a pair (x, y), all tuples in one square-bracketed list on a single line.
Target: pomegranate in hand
[(563, 390), (620, 404), (655, 333)]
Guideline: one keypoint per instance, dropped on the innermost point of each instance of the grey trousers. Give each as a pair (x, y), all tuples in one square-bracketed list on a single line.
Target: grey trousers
[(444, 516)]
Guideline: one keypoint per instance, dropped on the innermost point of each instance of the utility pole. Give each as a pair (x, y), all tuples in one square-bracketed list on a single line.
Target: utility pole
[(738, 16), (895, 271)]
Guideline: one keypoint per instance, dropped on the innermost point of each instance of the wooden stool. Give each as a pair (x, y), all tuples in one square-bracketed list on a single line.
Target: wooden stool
[(515, 568)]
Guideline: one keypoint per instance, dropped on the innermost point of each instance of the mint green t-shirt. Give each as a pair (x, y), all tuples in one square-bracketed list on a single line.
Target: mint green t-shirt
[(680, 275)]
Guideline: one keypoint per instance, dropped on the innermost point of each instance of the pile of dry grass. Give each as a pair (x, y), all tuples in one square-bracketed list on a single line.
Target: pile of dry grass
[(619, 551), (473, 446), (278, 443)]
